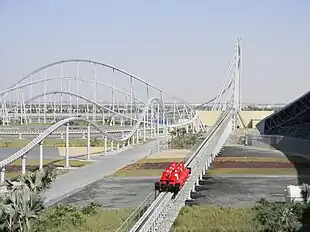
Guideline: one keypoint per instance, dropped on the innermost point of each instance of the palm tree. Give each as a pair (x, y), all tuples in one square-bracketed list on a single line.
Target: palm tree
[(24, 201), (18, 208)]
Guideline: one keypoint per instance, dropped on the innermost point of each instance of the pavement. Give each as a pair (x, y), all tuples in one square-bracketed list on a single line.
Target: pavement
[(74, 181), (225, 190), (114, 192), (247, 151), (242, 190)]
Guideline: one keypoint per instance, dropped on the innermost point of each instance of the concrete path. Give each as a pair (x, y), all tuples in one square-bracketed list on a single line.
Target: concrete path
[(72, 182)]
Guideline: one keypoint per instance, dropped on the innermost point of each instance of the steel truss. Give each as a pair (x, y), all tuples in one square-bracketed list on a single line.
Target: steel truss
[(293, 120), (159, 215), (86, 88), (61, 99)]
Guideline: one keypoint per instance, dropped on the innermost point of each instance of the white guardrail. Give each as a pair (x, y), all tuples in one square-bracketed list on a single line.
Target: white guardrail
[(159, 214), (28, 132)]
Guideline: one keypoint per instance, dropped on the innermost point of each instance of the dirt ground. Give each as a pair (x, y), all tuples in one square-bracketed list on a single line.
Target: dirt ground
[(246, 188), (232, 164), (177, 154), (236, 190)]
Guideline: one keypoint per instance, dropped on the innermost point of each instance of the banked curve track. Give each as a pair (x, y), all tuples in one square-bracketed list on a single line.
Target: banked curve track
[(157, 213), (54, 127), (89, 62), (82, 98), (77, 96)]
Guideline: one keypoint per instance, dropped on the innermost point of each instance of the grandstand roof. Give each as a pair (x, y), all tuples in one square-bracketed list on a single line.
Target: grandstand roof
[(295, 113)]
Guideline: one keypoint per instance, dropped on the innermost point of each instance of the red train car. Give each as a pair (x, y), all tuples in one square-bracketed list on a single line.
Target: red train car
[(173, 178)]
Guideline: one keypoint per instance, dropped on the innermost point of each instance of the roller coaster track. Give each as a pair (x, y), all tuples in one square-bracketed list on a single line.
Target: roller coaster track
[(155, 213), (54, 127), (77, 96), (89, 62), (66, 78), (15, 132)]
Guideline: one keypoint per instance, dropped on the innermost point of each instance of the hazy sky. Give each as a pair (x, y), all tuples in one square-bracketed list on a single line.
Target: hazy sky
[(183, 47)]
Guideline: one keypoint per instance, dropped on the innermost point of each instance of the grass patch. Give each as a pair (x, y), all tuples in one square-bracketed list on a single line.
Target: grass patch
[(135, 170), (105, 220), (261, 159), (270, 171), (76, 221), (14, 169), (34, 162), (195, 218), (214, 219), (156, 161), (252, 159), (20, 143)]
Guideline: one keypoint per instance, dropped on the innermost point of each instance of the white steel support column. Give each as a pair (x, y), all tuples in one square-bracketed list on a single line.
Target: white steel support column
[(137, 138), (236, 85), (88, 142), (45, 90), (158, 123), (41, 156), (67, 164), (105, 144), (112, 145), (200, 176), (112, 122), (204, 171), (144, 129), (239, 73), (194, 188), (2, 175), (133, 140), (77, 87), (24, 164), (131, 101), (193, 128), (152, 119)]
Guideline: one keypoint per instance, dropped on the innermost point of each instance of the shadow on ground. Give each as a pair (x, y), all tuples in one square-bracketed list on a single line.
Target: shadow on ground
[(296, 151)]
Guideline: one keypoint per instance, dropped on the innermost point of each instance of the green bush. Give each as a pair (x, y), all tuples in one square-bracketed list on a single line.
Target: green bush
[(182, 140), (62, 217), (280, 217)]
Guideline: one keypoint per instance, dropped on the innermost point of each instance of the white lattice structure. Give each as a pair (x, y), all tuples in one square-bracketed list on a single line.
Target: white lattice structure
[(159, 214), (94, 94), (86, 88)]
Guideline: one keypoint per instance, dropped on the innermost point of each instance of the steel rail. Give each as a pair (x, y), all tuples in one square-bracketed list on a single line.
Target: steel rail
[(54, 127), (161, 201), (98, 105)]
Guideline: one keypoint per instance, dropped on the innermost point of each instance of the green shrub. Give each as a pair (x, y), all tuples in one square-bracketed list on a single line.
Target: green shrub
[(279, 217), (59, 218), (182, 140)]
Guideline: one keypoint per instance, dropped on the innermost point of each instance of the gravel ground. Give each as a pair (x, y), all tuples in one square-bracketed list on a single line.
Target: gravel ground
[(114, 192), (241, 190), (243, 151), (234, 190)]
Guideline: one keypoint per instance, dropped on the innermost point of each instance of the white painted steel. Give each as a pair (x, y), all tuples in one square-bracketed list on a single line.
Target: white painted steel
[(54, 127), (163, 211)]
